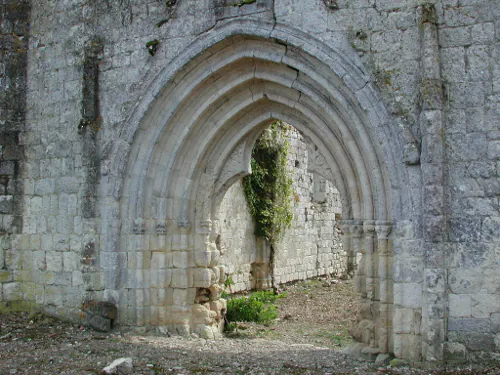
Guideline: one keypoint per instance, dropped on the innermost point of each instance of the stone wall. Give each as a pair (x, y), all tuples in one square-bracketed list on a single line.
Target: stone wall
[(469, 45), (14, 34), (402, 96), (311, 247), (238, 245)]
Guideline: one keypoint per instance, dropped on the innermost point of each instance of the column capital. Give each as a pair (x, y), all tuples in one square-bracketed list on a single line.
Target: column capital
[(357, 228), (383, 229), (352, 227), (345, 225), (369, 226), (139, 226), (184, 225)]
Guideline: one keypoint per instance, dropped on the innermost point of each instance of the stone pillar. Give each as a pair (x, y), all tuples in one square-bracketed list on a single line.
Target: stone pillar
[(358, 248), (345, 226), (433, 164), (262, 269), (207, 307), (181, 306), (384, 245), (371, 279), (370, 260)]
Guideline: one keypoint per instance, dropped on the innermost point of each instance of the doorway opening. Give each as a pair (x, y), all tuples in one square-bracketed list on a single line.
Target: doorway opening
[(293, 247)]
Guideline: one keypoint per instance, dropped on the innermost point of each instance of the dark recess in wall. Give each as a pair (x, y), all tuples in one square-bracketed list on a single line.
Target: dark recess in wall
[(14, 29)]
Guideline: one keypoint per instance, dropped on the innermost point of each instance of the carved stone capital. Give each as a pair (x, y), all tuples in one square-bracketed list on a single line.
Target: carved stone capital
[(161, 227), (369, 226), (183, 224), (204, 226), (383, 229), (206, 223), (139, 226), (345, 225), (357, 228)]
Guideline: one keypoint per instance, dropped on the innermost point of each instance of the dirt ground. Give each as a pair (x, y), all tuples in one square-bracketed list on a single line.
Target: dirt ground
[(315, 312), (306, 339)]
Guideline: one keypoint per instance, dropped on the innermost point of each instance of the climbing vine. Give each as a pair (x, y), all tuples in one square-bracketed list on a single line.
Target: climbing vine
[(268, 190)]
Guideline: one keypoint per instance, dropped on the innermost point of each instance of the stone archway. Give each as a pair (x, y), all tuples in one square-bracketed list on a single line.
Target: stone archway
[(191, 136)]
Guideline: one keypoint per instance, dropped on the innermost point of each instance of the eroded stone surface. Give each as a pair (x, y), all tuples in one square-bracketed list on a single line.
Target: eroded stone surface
[(127, 214)]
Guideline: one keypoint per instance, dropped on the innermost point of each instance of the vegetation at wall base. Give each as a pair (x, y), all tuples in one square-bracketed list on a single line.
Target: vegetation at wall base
[(268, 190), (258, 307)]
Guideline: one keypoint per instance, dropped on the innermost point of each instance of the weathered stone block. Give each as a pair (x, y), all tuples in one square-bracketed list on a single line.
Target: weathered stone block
[(484, 304), (495, 322), (464, 229), (408, 295), (407, 346), (408, 270), (469, 325), (454, 351), (460, 305), (180, 259), (12, 291), (494, 149), (475, 341), (54, 261)]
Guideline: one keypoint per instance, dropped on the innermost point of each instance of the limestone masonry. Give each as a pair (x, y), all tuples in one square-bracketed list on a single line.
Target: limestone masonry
[(311, 247), (125, 123)]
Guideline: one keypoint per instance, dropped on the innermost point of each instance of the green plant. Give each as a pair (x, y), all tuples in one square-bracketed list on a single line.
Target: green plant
[(230, 327), (162, 22), (228, 282), (258, 307), (152, 46), (266, 296), (244, 2), (268, 190)]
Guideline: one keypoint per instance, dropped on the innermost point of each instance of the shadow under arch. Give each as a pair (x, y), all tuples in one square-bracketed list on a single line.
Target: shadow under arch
[(190, 137)]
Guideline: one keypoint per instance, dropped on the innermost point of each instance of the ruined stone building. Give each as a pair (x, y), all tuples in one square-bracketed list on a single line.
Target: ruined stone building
[(125, 123), (311, 247)]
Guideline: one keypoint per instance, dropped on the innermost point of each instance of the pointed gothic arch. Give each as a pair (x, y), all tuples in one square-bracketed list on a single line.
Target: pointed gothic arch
[(190, 137)]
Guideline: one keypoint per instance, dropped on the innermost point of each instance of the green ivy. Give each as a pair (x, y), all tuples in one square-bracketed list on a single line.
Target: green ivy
[(268, 190)]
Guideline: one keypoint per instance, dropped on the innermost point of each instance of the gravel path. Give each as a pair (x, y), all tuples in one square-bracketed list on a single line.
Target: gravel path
[(294, 344)]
